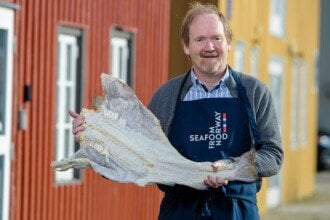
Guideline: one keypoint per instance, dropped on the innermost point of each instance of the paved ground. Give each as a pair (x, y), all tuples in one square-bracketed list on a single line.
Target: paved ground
[(316, 207)]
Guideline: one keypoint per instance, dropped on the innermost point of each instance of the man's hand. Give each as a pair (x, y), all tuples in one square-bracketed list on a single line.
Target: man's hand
[(78, 124), (215, 182)]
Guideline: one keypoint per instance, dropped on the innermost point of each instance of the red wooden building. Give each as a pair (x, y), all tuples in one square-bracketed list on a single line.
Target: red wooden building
[(52, 53)]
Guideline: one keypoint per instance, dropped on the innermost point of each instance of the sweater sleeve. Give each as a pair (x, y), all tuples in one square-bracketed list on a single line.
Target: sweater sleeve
[(270, 156), (163, 102)]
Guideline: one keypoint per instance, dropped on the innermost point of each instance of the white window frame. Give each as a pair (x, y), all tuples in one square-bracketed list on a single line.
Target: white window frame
[(239, 57), (277, 16), (7, 23), (63, 85)]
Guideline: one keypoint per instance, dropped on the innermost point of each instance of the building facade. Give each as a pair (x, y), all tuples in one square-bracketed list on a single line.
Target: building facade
[(51, 56), (53, 52)]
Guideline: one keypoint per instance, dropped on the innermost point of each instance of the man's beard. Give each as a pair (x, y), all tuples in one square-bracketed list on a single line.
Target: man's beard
[(210, 67), (210, 63)]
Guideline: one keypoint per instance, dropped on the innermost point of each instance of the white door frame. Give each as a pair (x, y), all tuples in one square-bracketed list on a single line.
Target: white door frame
[(7, 23)]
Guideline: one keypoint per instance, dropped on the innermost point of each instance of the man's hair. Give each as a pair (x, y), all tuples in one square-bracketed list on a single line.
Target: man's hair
[(197, 9)]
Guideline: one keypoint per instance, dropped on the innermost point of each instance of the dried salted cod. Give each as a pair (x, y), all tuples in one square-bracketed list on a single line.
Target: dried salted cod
[(123, 141)]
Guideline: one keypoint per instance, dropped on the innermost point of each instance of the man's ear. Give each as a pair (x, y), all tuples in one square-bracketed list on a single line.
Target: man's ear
[(185, 48), (229, 47)]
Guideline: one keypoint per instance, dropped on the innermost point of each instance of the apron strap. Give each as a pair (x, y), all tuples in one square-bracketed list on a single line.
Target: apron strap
[(241, 90)]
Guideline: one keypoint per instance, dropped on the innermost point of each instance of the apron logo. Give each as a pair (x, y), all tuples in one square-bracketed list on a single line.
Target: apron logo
[(216, 133)]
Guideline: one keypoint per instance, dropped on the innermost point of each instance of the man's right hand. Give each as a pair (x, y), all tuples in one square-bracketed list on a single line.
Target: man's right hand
[(78, 124)]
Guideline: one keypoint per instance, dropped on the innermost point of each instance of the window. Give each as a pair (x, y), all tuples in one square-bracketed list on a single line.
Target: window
[(276, 70), (239, 56), (277, 17), (2, 178), (254, 61), (299, 98), (121, 55), (294, 105), (317, 71), (229, 9), (6, 88), (3, 70), (303, 98), (68, 95)]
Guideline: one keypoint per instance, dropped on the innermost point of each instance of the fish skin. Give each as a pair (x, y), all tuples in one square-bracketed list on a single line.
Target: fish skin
[(124, 142)]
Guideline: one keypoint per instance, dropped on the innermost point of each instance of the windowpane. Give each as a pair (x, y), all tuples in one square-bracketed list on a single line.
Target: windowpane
[(277, 17), (299, 99), (276, 7), (303, 97), (294, 105), (2, 171), (69, 62), (121, 63), (276, 88), (68, 143), (59, 55), (229, 9), (3, 70), (274, 181), (239, 57), (254, 61), (317, 73), (276, 69), (68, 103), (121, 56), (58, 95)]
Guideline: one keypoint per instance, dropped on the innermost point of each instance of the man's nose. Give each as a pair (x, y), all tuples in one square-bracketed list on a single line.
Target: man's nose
[(209, 46)]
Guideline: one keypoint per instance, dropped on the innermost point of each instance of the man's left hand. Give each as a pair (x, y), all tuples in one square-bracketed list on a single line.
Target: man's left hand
[(214, 182)]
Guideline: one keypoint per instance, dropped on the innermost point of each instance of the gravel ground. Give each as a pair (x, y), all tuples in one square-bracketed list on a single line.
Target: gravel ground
[(316, 207)]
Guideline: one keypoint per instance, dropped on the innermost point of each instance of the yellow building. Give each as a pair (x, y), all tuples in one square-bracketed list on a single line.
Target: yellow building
[(277, 42)]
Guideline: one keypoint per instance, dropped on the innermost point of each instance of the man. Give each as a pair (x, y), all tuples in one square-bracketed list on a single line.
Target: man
[(192, 105), (212, 100)]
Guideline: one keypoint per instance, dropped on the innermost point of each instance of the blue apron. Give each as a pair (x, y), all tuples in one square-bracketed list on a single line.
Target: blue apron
[(209, 130)]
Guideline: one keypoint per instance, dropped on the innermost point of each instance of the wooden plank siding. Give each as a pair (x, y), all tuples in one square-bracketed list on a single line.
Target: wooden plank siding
[(34, 194)]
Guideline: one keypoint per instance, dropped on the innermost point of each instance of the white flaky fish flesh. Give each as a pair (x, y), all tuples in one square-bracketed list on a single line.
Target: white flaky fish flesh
[(124, 142)]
